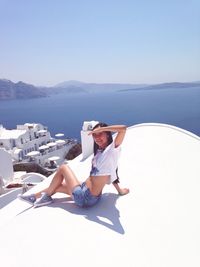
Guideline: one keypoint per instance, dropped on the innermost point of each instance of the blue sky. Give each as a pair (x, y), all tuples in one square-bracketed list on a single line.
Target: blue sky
[(45, 42)]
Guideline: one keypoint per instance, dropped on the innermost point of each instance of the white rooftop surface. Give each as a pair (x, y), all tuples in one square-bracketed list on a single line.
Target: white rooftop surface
[(8, 134), (157, 224)]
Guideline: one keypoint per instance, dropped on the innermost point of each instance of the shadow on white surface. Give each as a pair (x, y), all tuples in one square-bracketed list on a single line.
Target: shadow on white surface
[(104, 212)]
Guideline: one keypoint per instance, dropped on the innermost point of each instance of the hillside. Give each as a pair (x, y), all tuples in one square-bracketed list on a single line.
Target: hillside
[(20, 90)]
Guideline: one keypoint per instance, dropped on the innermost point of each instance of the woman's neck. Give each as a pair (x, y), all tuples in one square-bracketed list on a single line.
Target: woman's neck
[(103, 146)]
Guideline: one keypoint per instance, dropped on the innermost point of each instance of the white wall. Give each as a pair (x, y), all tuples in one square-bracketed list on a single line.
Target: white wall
[(87, 142), (6, 166)]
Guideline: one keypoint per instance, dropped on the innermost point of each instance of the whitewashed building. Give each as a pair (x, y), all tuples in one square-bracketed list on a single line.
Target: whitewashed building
[(22, 141)]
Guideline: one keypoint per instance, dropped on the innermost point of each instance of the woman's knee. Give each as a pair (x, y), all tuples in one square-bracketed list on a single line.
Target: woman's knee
[(63, 168)]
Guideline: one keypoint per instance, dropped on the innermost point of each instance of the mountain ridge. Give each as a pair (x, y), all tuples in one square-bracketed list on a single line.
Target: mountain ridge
[(20, 90)]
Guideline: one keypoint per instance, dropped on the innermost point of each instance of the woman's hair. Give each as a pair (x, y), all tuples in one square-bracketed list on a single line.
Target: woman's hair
[(109, 134)]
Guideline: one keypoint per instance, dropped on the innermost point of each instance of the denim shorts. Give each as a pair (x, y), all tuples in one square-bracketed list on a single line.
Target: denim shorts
[(83, 197)]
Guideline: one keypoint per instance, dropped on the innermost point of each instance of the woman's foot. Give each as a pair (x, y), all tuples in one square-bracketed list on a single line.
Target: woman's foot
[(43, 200), (27, 198), (123, 191)]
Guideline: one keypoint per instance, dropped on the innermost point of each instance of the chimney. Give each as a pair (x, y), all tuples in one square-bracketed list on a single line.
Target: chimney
[(87, 140)]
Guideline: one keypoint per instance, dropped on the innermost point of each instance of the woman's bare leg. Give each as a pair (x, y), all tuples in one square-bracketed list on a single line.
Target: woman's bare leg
[(63, 174)]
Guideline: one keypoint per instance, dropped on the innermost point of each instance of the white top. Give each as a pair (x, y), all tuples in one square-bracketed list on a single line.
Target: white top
[(105, 162)]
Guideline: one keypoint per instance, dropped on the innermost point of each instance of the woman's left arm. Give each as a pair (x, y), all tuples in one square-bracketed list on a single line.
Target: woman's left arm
[(121, 131)]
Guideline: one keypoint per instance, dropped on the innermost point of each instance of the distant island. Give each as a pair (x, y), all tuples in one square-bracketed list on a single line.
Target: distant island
[(20, 90)]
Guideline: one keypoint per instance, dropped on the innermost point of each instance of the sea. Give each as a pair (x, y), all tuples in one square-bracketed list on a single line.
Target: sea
[(65, 113)]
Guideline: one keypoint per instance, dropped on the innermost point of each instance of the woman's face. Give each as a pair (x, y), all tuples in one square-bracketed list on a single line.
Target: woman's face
[(101, 139)]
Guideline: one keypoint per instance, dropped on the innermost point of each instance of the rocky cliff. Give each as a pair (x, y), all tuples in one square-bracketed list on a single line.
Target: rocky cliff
[(20, 90)]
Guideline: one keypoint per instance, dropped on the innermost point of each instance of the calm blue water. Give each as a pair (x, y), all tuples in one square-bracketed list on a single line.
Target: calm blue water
[(66, 113)]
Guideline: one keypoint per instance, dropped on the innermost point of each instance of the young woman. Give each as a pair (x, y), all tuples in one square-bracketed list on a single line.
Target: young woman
[(103, 171)]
